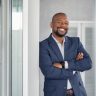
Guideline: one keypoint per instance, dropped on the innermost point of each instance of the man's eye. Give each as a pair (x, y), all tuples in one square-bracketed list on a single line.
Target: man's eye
[(66, 23), (58, 22)]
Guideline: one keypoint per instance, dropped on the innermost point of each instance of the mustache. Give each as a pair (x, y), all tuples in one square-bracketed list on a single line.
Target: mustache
[(62, 28)]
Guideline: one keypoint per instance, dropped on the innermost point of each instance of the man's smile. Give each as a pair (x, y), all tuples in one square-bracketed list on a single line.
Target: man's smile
[(61, 29)]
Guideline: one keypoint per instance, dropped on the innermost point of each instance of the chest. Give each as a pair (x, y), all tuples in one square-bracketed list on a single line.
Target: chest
[(65, 53)]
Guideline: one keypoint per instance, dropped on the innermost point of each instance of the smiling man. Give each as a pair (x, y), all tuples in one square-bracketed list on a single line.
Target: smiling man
[(62, 58)]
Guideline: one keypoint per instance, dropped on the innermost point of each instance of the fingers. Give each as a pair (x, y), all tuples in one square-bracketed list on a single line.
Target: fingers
[(57, 65), (80, 56)]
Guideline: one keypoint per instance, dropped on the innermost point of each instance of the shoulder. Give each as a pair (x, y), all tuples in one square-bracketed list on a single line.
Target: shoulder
[(43, 43), (73, 39)]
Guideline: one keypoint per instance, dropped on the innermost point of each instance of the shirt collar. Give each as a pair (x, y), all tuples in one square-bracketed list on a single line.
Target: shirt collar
[(57, 40)]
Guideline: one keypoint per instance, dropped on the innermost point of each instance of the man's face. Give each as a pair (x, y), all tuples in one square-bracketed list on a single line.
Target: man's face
[(59, 25)]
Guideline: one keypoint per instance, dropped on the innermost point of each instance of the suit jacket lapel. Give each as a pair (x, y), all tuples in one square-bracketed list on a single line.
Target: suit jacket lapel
[(55, 48), (67, 44)]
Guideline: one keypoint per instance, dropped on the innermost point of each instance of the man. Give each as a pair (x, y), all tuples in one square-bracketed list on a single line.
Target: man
[(61, 60)]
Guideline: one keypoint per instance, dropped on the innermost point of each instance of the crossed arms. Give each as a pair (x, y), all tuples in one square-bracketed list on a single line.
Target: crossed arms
[(82, 62), (78, 57)]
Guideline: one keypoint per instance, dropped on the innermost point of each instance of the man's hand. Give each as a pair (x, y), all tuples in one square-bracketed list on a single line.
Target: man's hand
[(79, 56), (57, 65)]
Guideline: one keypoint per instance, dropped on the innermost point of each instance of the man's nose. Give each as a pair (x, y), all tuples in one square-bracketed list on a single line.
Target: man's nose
[(63, 24)]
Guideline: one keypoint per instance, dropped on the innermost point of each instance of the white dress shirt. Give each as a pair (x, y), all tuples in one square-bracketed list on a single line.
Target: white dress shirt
[(61, 47)]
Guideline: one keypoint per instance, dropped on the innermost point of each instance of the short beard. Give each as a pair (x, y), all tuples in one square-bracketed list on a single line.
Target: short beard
[(58, 34)]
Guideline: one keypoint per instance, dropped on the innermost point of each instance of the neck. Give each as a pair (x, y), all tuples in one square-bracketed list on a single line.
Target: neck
[(60, 39)]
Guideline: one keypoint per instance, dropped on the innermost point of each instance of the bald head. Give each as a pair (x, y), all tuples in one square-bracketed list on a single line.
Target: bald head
[(58, 15)]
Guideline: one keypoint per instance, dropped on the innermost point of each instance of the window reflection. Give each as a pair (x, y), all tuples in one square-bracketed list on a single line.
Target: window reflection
[(0, 51), (17, 47)]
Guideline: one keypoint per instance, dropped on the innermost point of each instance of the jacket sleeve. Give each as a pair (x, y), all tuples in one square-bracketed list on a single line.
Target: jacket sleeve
[(83, 64), (48, 70)]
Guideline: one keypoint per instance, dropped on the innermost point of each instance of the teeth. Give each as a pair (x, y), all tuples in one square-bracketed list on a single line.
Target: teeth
[(61, 29)]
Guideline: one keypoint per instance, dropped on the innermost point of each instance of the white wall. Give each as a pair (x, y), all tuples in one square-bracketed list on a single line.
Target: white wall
[(31, 48)]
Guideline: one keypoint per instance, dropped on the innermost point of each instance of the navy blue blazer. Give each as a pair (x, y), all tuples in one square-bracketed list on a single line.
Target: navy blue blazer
[(55, 83)]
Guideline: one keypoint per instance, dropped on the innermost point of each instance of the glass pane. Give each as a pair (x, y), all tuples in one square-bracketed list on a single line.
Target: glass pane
[(90, 75), (17, 47), (0, 50)]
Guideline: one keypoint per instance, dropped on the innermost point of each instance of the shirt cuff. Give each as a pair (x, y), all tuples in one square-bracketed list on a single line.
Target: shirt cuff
[(66, 65)]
